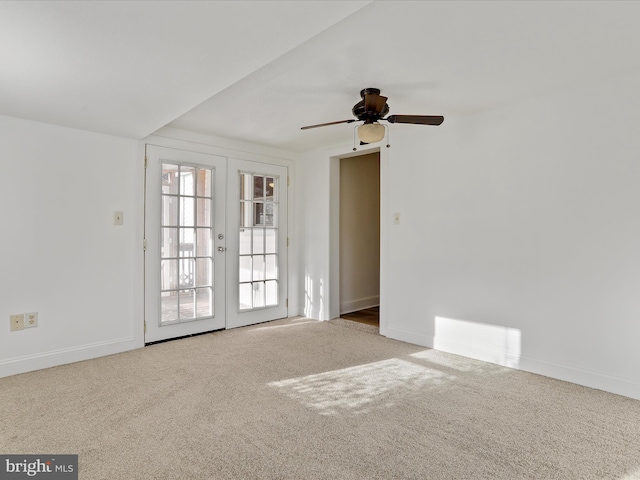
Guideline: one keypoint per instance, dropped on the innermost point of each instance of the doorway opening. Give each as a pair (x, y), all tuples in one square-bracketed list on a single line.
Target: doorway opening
[(359, 238)]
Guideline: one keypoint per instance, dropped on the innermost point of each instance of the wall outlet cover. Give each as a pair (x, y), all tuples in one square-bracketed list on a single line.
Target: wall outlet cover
[(31, 320)]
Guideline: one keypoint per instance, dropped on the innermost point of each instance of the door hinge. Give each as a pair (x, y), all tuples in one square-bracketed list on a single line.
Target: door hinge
[(144, 245), (145, 161), (145, 326), (288, 181), (286, 303), (287, 241)]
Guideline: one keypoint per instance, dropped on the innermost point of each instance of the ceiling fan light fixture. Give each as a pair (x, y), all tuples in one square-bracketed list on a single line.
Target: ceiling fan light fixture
[(371, 132)]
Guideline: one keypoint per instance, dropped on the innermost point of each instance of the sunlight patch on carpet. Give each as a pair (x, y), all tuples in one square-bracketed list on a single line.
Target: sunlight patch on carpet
[(631, 475), (357, 390)]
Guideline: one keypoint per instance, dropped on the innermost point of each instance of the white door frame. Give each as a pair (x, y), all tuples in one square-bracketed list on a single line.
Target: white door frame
[(334, 230)]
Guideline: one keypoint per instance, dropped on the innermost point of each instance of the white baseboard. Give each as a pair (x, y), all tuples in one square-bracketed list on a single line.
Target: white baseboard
[(406, 336), (359, 304), (29, 363), (568, 373), (580, 376)]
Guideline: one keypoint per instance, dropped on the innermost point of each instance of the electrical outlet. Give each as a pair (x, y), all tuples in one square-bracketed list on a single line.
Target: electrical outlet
[(17, 322), (31, 320)]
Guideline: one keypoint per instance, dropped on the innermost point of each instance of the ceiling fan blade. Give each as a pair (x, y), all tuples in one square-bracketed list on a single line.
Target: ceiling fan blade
[(374, 102), (330, 123), (416, 119)]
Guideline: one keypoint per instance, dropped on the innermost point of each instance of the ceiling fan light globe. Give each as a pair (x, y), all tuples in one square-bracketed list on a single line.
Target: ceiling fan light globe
[(371, 132)]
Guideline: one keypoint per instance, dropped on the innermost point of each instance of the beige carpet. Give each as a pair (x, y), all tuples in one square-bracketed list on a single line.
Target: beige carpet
[(299, 399)]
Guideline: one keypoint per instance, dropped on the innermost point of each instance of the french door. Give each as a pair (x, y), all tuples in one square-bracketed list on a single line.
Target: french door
[(215, 243), (257, 243)]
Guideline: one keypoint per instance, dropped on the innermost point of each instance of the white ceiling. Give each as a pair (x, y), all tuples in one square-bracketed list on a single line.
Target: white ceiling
[(130, 67), (258, 71)]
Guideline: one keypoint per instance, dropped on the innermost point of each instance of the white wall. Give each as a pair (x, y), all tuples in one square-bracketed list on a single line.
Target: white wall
[(61, 254), (359, 232), (519, 240), (313, 205)]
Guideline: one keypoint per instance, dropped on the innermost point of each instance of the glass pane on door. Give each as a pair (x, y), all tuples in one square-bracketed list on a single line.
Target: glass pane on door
[(258, 231), (186, 243)]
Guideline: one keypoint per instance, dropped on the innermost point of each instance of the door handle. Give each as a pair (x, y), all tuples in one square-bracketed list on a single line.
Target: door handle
[(221, 249)]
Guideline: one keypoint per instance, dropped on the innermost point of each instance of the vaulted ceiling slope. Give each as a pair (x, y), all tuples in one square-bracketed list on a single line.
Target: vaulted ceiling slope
[(258, 71), (128, 68)]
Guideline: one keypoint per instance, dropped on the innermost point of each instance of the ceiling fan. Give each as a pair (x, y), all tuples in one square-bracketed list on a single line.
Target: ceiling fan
[(370, 110)]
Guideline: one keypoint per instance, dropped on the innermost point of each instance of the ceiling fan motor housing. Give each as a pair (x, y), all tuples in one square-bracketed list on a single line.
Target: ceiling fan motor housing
[(369, 91), (360, 112)]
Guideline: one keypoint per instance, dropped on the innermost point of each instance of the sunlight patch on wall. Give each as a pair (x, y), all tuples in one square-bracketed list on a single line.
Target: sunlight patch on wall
[(357, 390), (314, 298), (483, 341), (308, 296)]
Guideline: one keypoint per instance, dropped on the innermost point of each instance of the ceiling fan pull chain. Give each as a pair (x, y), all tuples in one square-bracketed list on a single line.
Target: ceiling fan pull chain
[(354, 138), (388, 135)]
